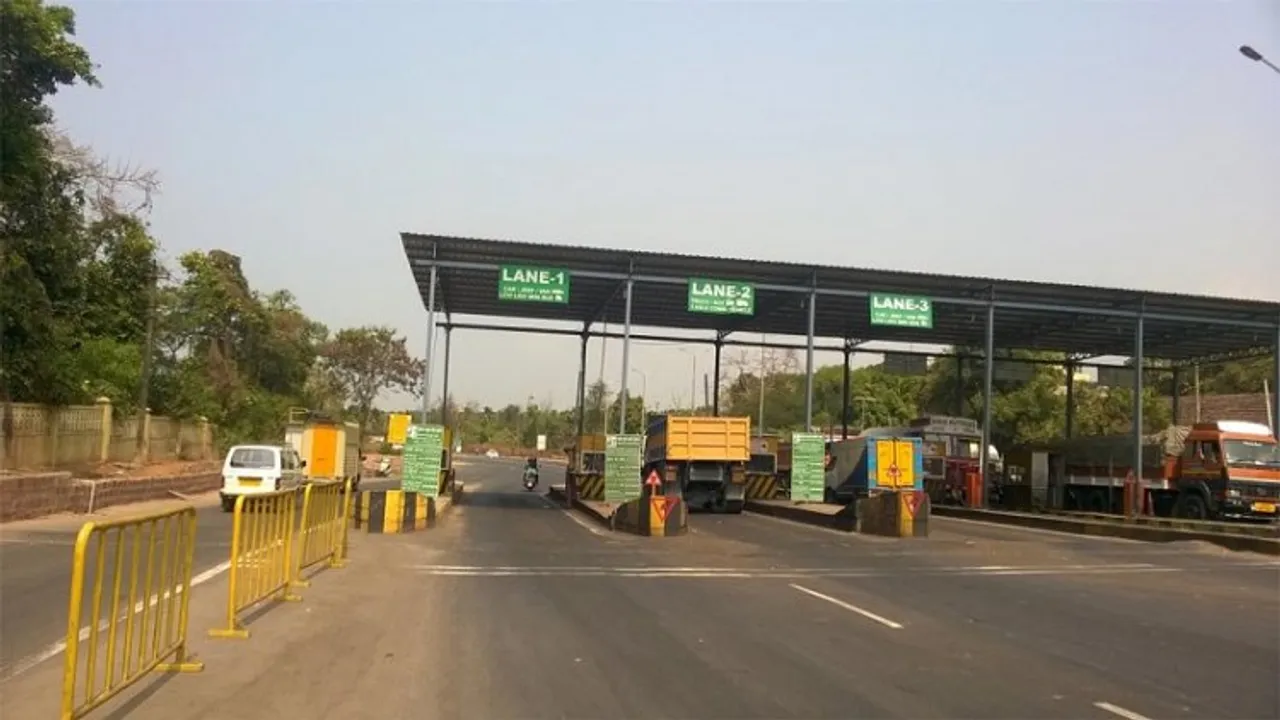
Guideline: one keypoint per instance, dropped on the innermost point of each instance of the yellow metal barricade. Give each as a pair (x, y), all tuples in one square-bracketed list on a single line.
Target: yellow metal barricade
[(145, 627), (322, 532), (262, 565)]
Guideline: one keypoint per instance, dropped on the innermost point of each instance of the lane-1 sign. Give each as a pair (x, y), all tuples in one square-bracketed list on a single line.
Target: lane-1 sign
[(721, 297), (902, 311), (520, 283)]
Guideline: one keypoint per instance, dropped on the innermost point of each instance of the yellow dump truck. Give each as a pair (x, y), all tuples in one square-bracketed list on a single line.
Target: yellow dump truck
[(586, 466), (707, 456), (330, 447)]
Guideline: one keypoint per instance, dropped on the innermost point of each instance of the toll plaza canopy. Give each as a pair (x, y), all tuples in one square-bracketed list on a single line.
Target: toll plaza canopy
[(499, 278)]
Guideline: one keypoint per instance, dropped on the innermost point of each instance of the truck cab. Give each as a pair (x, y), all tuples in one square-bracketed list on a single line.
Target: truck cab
[(1228, 469)]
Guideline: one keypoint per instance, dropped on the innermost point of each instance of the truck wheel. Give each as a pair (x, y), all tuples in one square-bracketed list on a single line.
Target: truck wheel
[(1191, 507)]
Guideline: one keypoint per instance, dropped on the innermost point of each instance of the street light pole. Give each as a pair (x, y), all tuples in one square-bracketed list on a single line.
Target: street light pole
[(644, 396), (1256, 56)]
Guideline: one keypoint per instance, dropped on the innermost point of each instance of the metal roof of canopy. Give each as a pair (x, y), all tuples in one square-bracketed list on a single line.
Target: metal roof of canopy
[(1080, 320)]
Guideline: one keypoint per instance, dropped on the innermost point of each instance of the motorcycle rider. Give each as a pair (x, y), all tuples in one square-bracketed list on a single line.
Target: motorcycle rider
[(531, 471)]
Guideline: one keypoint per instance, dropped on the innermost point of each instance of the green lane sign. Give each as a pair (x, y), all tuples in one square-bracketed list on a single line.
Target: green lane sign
[(622, 467), (808, 467), (423, 449), (902, 311), (721, 297), (523, 283)]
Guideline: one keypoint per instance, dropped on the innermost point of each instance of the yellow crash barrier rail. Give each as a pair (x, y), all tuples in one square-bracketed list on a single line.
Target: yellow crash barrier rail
[(145, 627), (325, 508), (261, 556)]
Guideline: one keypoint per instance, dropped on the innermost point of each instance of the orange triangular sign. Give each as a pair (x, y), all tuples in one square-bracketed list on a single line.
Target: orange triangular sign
[(659, 505), (912, 502)]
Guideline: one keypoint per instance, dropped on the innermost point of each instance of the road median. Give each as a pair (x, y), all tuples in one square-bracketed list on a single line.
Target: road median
[(27, 496), (1117, 528)]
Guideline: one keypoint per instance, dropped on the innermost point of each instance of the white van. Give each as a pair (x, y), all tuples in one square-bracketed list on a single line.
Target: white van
[(255, 469)]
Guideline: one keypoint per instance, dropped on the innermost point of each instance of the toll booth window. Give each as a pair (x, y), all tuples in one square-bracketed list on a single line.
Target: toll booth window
[(253, 459)]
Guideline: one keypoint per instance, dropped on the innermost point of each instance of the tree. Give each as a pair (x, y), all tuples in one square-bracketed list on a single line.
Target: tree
[(367, 361)]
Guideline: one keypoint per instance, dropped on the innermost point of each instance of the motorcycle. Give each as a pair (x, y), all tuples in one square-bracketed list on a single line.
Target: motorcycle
[(531, 475)]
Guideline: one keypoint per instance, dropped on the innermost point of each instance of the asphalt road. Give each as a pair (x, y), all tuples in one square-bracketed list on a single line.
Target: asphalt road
[(751, 617), (35, 576), (516, 608)]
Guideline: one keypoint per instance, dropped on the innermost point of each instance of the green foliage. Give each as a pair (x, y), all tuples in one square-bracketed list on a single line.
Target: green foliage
[(367, 361)]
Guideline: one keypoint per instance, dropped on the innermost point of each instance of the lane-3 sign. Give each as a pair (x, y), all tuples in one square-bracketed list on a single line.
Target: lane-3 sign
[(520, 283), (902, 311), (721, 297)]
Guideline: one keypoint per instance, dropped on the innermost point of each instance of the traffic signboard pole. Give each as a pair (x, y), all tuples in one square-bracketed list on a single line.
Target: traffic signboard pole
[(626, 362), (431, 336), (808, 363), (444, 384), (988, 375)]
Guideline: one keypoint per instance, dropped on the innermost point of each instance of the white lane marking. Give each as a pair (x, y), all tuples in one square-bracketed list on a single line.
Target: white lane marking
[(26, 664), (569, 513), (774, 572), (1117, 710), (851, 608)]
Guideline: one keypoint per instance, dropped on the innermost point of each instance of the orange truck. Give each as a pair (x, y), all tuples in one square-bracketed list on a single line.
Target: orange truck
[(1227, 470)]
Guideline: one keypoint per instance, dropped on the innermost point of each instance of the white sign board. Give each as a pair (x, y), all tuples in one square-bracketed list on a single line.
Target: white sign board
[(542, 443)]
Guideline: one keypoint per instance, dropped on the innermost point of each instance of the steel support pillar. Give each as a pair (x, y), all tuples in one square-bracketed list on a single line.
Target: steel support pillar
[(1175, 397), (582, 384), (715, 389), (626, 362), (1275, 385), (844, 394), (571, 478), (988, 376), (431, 342), (1138, 361), (444, 384), (808, 363), (1070, 426)]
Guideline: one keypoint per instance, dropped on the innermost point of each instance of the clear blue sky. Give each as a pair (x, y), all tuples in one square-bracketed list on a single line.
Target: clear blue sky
[(1122, 143)]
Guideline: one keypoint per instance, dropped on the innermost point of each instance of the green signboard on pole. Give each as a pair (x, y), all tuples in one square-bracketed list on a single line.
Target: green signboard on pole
[(808, 467), (902, 311), (522, 283), (622, 467), (721, 297), (423, 446)]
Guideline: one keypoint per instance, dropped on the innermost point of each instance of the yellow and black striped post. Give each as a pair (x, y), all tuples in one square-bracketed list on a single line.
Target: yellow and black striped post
[(761, 486), (394, 511), (590, 487)]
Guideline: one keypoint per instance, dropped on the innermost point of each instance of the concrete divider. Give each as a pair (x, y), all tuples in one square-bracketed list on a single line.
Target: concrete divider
[(1117, 528), (31, 495), (890, 514), (660, 516), (399, 511)]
